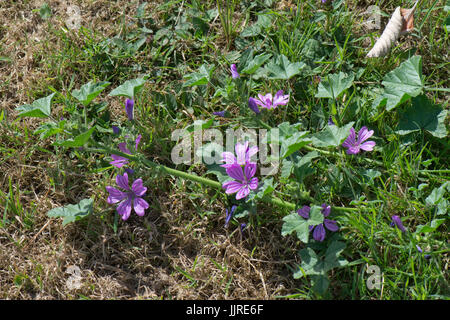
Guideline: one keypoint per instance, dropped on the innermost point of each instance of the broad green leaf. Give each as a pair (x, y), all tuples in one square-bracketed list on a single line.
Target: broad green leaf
[(369, 174), (303, 165), (282, 68), (288, 137), (293, 143), (40, 108), (310, 260), (320, 283), (437, 195), (402, 83), (429, 228), (295, 223), (423, 115), (254, 63), (129, 88), (89, 91), (79, 140), (286, 168), (73, 212), (332, 255), (334, 85), (199, 78), (264, 21), (315, 216), (219, 172), (331, 136), (317, 267), (309, 263), (286, 129)]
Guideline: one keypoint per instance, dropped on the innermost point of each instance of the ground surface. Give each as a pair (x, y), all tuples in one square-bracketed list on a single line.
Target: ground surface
[(180, 249)]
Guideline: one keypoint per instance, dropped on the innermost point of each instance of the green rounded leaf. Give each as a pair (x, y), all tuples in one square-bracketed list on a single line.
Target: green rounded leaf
[(129, 88), (40, 108), (73, 212), (89, 91)]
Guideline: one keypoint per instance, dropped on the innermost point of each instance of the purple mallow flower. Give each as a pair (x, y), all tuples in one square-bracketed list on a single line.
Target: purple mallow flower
[(129, 106), (397, 222), (330, 121), (270, 102), (354, 145), (128, 198), (229, 215), (426, 256), (243, 155), (116, 129), (234, 72), (119, 161), (243, 180), (253, 106), (319, 230), (219, 113)]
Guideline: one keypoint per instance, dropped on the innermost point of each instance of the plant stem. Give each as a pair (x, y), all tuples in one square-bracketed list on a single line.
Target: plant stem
[(211, 183)]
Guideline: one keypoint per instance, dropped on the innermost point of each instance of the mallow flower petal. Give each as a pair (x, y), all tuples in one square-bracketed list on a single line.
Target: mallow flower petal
[(124, 208), (364, 134), (232, 187), (235, 172), (115, 195), (253, 184), (350, 141), (331, 225), (304, 212), (319, 233), (241, 150), (122, 181), (368, 145), (140, 205), (138, 188), (249, 170), (242, 193)]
